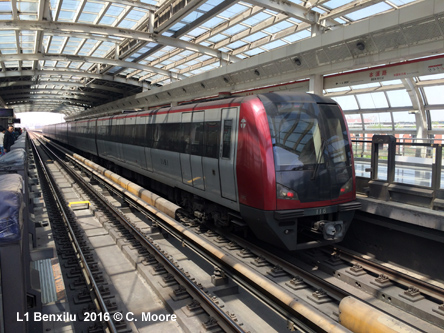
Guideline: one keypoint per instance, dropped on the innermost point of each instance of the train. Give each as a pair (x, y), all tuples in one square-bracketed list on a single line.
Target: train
[(279, 164)]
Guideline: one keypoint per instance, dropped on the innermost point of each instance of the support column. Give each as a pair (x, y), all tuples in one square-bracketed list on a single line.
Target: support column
[(316, 84)]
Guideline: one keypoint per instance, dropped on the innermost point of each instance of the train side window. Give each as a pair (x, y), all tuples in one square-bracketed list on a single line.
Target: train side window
[(128, 134), (184, 141), (226, 139), (157, 132), (212, 135), (196, 138), (140, 135), (149, 136)]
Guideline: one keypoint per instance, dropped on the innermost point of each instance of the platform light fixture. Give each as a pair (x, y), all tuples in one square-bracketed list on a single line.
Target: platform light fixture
[(360, 46)]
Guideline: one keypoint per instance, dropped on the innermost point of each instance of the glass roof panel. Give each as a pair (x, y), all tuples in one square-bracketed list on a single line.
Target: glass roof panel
[(391, 82), (256, 19), (233, 11), (369, 11), (372, 100), (434, 94), (215, 21), (399, 98), (347, 102), (5, 7), (87, 18), (432, 77)]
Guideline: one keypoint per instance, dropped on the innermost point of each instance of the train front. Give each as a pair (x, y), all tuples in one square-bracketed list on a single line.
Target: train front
[(314, 178)]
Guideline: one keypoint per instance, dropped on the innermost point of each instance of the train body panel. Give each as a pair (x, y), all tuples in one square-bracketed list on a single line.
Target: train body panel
[(280, 161)]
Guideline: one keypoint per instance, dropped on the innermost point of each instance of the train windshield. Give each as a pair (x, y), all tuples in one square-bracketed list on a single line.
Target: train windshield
[(311, 148)]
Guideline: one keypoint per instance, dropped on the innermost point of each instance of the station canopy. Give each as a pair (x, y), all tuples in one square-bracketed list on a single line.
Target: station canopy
[(85, 58)]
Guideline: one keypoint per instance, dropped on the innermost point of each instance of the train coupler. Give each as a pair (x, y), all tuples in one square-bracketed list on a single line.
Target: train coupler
[(330, 229)]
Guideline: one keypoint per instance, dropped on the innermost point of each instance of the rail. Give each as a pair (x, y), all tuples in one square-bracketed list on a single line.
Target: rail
[(408, 172)]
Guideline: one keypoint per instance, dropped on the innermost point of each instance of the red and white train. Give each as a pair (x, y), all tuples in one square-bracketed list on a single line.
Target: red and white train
[(281, 162)]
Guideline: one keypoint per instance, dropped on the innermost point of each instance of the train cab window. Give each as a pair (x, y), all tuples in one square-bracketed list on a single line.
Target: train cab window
[(212, 134), (226, 139)]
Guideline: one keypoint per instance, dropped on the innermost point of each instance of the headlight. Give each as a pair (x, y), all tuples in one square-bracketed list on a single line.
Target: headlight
[(347, 187), (284, 192)]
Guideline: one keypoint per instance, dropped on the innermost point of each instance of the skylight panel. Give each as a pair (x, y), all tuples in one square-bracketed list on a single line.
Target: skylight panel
[(274, 44), (368, 11), (5, 7), (214, 22), (298, 36), (196, 32), (254, 37), (347, 102), (75, 64), (28, 17), (108, 20), (391, 82), (236, 44), (399, 98), (70, 4), (136, 15), (27, 64), (10, 64), (62, 64), (209, 5), (256, 19), (338, 89), (5, 17), (26, 7), (87, 18), (177, 26), (235, 30), (278, 27), (434, 94), (192, 17), (127, 24), (66, 16), (93, 7), (432, 77), (114, 10), (254, 52), (401, 2), (216, 38), (365, 85), (233, 11), (336, 3), (372, 100)]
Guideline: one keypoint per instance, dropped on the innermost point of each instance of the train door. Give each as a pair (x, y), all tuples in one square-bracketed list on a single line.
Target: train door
[(227, 154), (196, 149), (185, 157)]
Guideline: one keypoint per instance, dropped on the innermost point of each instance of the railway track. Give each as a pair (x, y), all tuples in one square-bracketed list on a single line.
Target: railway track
[(304, 293)]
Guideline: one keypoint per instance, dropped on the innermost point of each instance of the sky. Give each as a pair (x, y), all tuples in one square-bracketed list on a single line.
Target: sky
[(32, 120)]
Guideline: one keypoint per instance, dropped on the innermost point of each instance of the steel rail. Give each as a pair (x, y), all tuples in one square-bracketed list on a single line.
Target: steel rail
[(309, 318), (77, 247), (427, 289), (224, 321)]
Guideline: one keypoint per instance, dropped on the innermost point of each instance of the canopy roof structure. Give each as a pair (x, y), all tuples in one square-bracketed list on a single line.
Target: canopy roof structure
[(85, 58)]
